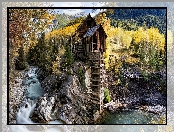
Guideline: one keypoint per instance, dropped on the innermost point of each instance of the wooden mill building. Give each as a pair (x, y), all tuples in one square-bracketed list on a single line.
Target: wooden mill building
[(90, 48)]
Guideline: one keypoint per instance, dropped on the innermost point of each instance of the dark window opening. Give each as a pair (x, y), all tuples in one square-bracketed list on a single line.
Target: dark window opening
[(89, 24), (95, 46), (95, 38)]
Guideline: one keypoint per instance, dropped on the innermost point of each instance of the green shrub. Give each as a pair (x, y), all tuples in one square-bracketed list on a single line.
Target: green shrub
[(106, 95), (145, 75), (81, 77), (68, 60)]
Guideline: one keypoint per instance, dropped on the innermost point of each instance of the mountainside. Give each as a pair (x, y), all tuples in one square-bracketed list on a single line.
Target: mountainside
[(130, 18)]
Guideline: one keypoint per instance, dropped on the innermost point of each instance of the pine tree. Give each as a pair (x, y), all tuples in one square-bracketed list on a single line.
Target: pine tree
[(20, 60)]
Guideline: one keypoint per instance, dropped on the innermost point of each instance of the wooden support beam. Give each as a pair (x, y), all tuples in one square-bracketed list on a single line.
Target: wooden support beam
[(95, 80), (95, 73), (94, 85)]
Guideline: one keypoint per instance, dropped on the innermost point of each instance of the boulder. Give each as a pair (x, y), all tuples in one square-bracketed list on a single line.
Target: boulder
[(156, 109), (43, 110), (65, 115)]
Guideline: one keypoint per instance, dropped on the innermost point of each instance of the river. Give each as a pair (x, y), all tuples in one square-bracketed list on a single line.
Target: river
[(34, 91), (129, 117)]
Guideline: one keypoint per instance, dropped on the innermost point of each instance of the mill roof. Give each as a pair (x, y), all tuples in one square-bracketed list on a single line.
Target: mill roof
[(91, 31)]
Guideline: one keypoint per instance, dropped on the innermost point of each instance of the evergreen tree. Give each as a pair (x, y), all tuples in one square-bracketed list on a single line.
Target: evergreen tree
[(68, 59), (20, 60)]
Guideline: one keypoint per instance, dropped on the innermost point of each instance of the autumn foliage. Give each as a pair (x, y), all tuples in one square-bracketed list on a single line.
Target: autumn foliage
[(143, 46), (24, 26)]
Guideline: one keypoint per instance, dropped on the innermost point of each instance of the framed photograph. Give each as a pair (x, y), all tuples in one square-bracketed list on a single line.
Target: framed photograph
[(87, 65)]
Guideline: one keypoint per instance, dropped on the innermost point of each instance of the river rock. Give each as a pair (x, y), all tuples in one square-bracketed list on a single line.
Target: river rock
[(156, 109), (43, 109), (52, 82), (65, 115), (16, 96)]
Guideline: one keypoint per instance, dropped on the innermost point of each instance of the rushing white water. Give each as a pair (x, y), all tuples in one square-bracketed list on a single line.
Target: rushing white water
[(55, 122), (23, 117), (32, 72), (24, 114), (34, 91)]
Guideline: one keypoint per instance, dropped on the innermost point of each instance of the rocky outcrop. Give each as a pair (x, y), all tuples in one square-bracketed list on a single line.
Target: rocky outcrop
[(70, 115), (70, 99), (16, 96), (43, 110), (114, 106), (156, 109), (138, 92)]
